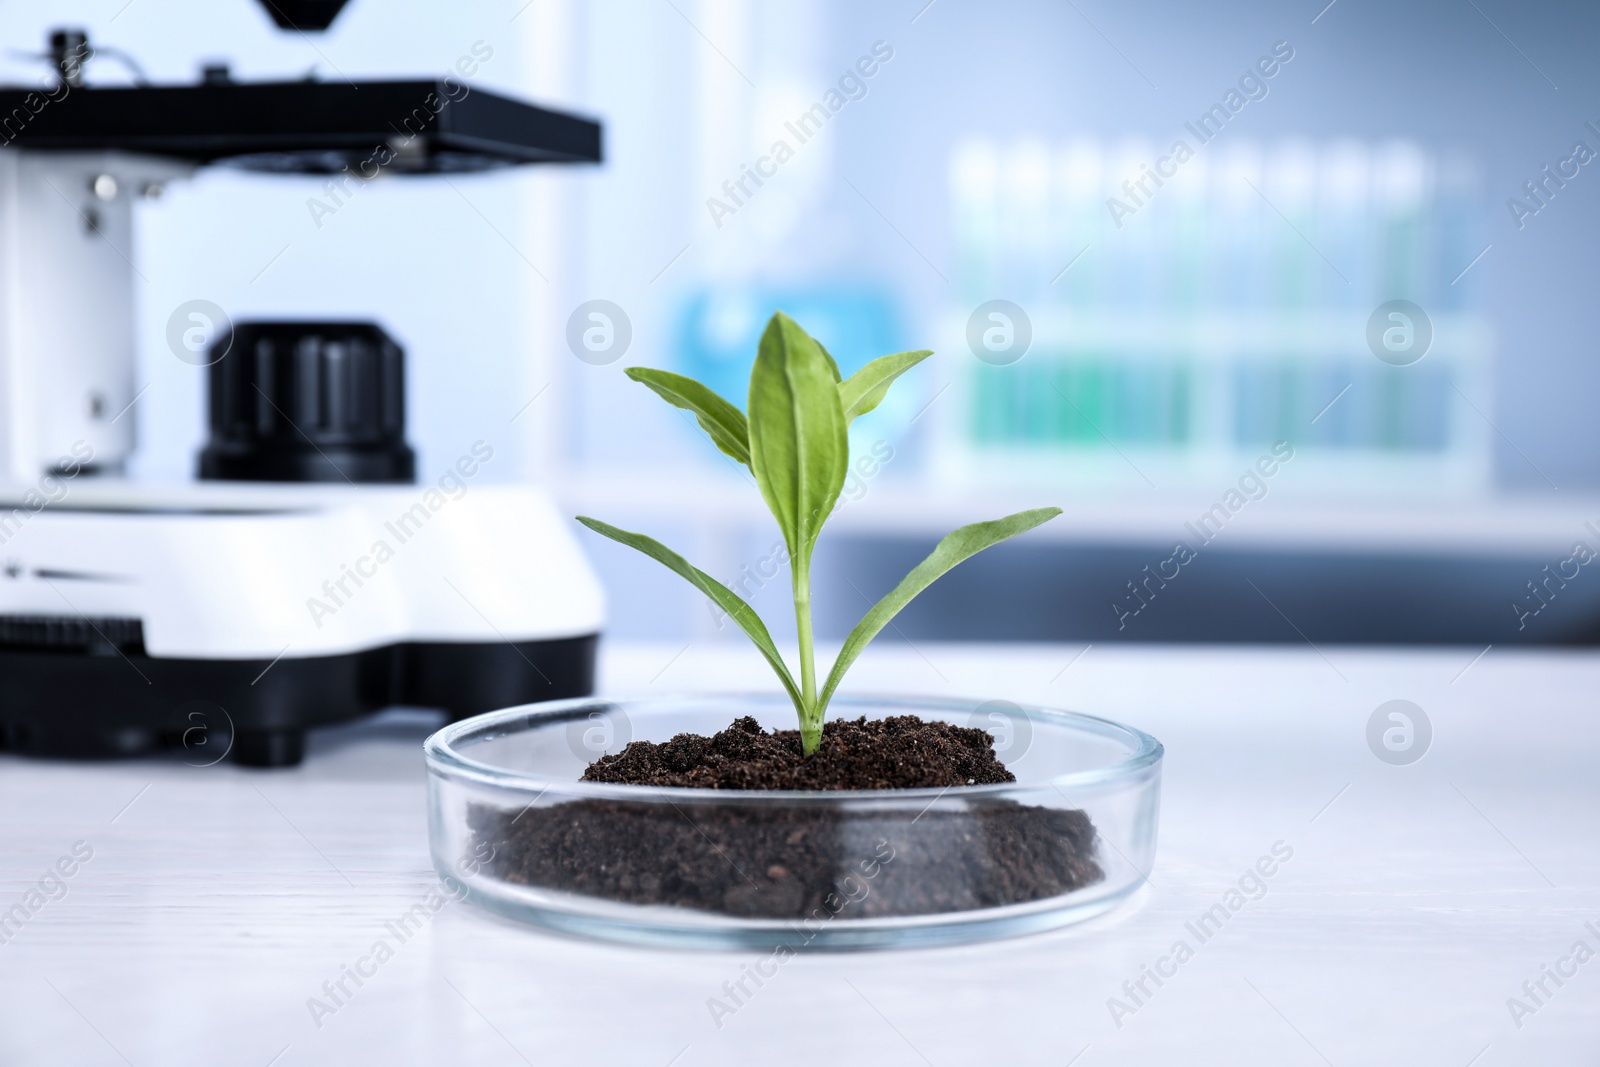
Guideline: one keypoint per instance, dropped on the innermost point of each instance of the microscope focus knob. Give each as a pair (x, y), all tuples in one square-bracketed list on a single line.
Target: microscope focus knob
[(307, 402)]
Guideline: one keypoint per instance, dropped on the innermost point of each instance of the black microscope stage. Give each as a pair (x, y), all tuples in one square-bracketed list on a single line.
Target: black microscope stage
[(302, 126)]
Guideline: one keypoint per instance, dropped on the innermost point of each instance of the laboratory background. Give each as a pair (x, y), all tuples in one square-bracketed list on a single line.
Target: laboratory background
[(1173, 331)]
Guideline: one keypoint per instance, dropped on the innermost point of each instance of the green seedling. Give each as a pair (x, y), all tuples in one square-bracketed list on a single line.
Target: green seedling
[(796, 444)]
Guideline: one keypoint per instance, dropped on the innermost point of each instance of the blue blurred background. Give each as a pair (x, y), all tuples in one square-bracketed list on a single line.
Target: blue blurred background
[(937, 158)]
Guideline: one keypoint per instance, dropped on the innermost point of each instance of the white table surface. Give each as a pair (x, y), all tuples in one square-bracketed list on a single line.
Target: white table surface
[(219, 900)]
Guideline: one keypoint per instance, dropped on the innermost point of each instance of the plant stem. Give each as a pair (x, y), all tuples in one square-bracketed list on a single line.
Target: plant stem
[(810, 722)]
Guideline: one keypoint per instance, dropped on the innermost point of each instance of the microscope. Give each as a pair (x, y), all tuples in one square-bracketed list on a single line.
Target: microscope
[(308, 576)]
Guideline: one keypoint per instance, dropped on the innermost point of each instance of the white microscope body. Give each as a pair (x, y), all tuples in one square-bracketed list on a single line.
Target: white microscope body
[(132, 616)]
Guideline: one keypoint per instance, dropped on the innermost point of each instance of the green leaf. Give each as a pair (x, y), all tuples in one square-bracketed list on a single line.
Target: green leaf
[(799, 448), (725, 598), (866, 388), (960, 545), (724, 423), (833, 364)]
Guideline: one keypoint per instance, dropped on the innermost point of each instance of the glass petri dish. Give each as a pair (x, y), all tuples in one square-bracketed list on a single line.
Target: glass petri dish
[(513, 827)]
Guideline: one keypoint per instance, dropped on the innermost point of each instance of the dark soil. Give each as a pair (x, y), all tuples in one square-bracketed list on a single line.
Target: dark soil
[(902, 752), (800, 861)]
